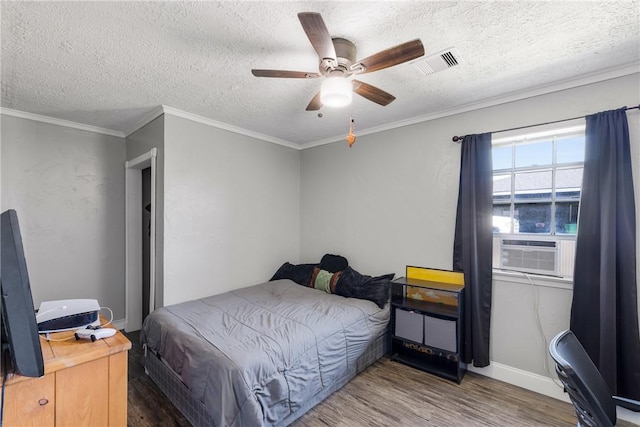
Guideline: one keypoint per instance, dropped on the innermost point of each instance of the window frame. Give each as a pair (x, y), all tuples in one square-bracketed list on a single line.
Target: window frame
[(553, 134)]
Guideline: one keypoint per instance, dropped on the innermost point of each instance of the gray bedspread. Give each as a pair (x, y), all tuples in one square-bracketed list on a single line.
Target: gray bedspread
[(255, 355)]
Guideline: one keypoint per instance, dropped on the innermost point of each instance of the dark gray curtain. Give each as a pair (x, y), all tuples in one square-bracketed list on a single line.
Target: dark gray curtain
[(604, 313), (472, 245)]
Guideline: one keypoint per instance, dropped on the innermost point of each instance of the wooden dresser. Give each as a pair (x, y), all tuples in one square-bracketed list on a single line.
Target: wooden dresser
[(85, 384)]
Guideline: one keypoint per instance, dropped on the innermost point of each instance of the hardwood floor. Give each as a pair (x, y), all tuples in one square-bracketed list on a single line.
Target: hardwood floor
[(148, 406), (385, 394)]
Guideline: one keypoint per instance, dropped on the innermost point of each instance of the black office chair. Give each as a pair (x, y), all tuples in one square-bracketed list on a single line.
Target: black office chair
[(590, 395)]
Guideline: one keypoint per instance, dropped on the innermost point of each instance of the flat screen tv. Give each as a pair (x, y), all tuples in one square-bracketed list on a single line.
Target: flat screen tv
[(19, 328)]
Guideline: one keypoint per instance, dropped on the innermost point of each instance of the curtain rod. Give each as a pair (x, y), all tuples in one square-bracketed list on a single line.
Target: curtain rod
[(459, 138)]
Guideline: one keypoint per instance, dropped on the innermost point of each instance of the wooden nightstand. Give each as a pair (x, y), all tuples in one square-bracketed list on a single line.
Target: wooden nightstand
[(85, 384)]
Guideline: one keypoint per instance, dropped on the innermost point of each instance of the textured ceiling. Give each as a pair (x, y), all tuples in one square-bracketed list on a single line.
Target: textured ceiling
[(110, 64)]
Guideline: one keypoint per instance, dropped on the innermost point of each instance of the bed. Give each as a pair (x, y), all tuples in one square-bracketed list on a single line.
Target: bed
[(262, 355)]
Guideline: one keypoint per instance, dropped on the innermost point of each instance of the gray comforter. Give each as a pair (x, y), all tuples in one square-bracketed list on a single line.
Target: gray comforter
[(253, 356)]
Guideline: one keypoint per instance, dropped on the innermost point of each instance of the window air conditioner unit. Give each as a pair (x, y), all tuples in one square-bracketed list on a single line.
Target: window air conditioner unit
[(530, 256)]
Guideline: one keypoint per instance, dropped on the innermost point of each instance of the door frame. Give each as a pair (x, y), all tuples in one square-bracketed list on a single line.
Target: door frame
[(133, 238)]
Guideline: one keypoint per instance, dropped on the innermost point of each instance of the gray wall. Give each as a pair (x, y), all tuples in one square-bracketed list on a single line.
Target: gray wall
[(235, 207), (390, 201), (67, 186), (232, 209), (140, 142), (385, 203)]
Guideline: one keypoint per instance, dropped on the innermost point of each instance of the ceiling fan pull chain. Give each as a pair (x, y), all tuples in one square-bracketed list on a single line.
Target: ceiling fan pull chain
[(351, 138)]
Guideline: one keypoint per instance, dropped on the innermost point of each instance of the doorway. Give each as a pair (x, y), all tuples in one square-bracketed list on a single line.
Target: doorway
[(146, 240), (140, 229)]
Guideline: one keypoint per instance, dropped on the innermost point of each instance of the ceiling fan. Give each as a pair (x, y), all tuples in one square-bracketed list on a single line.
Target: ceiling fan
[(338, 62)]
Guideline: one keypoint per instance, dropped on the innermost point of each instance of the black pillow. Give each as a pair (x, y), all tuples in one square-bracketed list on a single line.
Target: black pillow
[(301, 273), (352, 284), (333, 263)]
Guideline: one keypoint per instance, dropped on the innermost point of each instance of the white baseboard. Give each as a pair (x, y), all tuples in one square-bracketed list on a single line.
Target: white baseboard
[(529, 380), (118, 324), (627, 415), (539, 384)]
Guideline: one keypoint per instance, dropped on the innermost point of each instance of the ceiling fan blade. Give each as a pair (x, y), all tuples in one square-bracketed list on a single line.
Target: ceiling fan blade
[(285, 74), (318, 35), (390, 57), (372, 93), (315, 103)]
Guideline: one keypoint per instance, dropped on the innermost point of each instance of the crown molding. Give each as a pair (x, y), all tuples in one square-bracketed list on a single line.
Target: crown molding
[(60, 122), (228, 127), (586, 79), (145, 120)]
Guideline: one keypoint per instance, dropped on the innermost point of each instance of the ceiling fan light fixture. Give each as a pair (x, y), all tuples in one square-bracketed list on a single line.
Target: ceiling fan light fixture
[(336, 92)]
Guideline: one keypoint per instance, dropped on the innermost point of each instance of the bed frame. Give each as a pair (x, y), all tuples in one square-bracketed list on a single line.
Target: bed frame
[(194, 410)]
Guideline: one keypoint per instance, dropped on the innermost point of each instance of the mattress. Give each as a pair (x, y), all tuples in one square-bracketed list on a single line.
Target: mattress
[(256, 356)]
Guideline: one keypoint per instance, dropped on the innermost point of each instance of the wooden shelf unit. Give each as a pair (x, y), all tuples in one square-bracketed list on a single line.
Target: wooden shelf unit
[(426, 321), (84, 384)]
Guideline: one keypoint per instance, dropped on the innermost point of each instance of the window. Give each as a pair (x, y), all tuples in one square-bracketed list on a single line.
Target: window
[(537, 180)]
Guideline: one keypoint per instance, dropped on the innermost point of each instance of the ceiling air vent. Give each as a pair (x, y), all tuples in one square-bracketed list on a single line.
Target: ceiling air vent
[(440, 61)]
